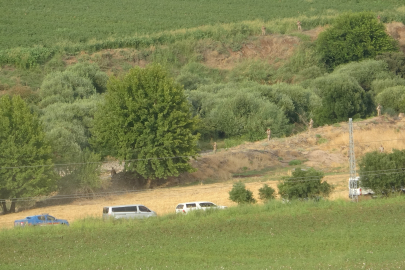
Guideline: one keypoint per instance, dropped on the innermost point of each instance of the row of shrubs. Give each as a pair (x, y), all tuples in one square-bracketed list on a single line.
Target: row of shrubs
[(303, 184)]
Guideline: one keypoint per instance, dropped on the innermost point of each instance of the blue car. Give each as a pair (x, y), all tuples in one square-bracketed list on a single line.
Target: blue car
[(40, 220)]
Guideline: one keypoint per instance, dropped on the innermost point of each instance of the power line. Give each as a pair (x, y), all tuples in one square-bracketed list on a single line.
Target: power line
[(286, 178)]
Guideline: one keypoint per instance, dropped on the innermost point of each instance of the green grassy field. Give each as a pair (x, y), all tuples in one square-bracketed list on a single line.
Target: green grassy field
[(297, 235), (46, 22)]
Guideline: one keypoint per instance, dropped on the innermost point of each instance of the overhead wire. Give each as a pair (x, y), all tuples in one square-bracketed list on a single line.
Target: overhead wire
[(286, 178)]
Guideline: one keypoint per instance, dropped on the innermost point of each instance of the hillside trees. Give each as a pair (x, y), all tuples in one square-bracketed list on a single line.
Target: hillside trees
[(25, 155), (77, 82), (392, 164), (69, 103), (238, 110), (146, 118), (392, 98), (67, 127), (342, 98), (353, 37), (304, 184)]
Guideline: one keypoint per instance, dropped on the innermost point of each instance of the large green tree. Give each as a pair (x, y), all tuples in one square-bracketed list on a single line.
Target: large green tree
[(342, 98), (25, 156), (353, 37), (146, 118)]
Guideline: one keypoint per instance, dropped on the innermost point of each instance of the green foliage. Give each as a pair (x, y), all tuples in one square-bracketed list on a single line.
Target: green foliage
[(353, 37), (295, 162), (266, 193), (235, 110), (377, 86), (67, 127), (79, 81), (392, 180), (342, 98), (65, 87), (240, 194), (91, 71), (194, 74), (304, 184), (252, 70), (365, 72), (146, 117), (294, 100), (395, 62), (393, 98), (25, 160)]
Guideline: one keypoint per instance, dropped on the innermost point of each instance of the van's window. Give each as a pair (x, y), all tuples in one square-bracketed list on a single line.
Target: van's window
[(207, 204), (105, 210), (131, 209), (41, 218), (190, 205), (180, 206), (143, 209), (50, 218), (118, 209)]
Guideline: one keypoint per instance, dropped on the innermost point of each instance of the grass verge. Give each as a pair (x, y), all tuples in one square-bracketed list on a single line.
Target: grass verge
[(297, 235)]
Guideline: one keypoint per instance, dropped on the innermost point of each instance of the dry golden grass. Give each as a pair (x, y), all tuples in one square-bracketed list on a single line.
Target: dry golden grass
[(328, 156)]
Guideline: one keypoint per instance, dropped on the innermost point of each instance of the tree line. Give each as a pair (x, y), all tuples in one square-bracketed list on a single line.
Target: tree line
[(155, 119)]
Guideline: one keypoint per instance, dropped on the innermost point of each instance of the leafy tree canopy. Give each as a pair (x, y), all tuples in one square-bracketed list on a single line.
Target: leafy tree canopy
[(353, 37), (91, 71), (239, 110), (365, 72), (23, 146), (383, 183), (76, 82), (392, 97), (67, 127), (342, 98), (304, 184), (146, 118), (395, 62), (240, 194)]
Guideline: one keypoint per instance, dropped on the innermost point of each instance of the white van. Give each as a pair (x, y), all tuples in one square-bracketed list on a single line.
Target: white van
[(127, 211), (190, 206)]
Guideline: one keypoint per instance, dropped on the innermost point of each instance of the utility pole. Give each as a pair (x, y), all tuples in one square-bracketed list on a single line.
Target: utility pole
[(352, 160)]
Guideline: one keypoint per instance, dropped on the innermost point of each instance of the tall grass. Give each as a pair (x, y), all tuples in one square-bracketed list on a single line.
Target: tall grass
[(296, 235)]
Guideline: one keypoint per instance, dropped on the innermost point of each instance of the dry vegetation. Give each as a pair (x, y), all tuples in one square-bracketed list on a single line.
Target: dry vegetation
[(324, 148)]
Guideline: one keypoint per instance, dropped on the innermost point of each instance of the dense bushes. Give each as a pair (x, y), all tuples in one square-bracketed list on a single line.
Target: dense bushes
[(391, 164), (392, 98), (240, 194), (353, 37), (342, 98), (230, 110), (304, 184)]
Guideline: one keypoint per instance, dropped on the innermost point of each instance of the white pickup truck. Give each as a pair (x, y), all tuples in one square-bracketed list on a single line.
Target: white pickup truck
[(359, 190)]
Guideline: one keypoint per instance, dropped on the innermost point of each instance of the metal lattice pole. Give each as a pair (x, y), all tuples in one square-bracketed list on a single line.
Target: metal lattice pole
[(352, 161)]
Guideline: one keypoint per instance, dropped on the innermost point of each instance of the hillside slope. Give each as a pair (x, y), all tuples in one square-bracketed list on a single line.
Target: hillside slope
[(324, 148)]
